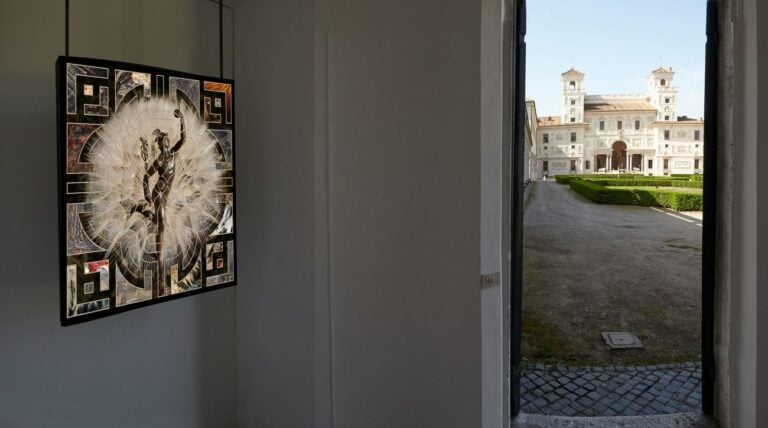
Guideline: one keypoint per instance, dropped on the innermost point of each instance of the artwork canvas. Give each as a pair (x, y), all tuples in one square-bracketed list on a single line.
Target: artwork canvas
[(146, 186)]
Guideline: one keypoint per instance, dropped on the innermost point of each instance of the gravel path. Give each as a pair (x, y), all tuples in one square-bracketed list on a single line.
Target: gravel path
[(593, 268)]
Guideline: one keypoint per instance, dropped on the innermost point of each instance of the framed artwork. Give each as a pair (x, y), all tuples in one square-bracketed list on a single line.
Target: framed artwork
[(146, 186)]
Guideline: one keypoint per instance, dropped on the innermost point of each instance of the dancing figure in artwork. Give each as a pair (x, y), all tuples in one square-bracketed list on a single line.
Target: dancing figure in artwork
[(164, 166)]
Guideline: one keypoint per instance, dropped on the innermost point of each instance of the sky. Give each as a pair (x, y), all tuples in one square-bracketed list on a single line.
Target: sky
[(616, 43)]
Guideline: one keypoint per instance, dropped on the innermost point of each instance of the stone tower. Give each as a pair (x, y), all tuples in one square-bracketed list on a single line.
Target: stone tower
[(572, 84), (662, 94)]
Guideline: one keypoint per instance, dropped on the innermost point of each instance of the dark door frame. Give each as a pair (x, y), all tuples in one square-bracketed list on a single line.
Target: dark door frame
[(514, 85), (516, 35), (709, 229)]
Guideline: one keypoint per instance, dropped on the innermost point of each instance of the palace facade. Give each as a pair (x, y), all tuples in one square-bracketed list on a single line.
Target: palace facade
[(639, 133)]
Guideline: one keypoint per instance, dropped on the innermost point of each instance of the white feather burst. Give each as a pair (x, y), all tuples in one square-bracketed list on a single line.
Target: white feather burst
[(192, 210)]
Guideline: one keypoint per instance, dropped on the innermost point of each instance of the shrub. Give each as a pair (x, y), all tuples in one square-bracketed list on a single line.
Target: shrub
[(565, 179), (686, 202), (590, 190), (688, 177), (610, 175), (647, 182), (596, 192)]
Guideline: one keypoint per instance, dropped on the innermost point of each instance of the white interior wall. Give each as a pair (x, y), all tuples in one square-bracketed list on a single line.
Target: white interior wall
[(494, 401), (761, 189), (167, 365), (393, 146), (403, 130), (275, 306), (742, 333)]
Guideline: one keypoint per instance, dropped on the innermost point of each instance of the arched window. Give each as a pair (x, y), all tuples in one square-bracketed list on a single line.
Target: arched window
[(572, 85), (663, 82)]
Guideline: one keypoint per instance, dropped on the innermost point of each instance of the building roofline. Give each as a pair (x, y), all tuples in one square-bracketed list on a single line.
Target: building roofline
[(678, 122), (572, 72), (594, 112), (564, 125), (662, 70)]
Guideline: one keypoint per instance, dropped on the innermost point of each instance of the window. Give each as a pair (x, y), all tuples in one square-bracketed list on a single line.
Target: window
[(545, 147), (573, 120), (573, 101), (602, 125), (695, 164), (666, 100), (637, 125), (573, 137), (619, 125), (650, 163), (663, 82), (666, 163), (545, 166), (586, 164), (666, 146), (572, 85), (697, 136), (573, 165), (573, 147), (546, 138), (666, 117)]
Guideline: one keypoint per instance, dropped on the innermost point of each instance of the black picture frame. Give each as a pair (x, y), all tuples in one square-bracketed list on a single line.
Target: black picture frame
[(102, 106)]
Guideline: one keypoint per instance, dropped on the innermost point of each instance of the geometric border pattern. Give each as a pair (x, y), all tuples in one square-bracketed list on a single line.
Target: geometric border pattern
[(89, 93)]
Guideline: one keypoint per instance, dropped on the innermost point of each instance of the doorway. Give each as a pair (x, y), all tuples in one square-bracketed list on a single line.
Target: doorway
[(618, 160), (602, 163), (618, 156)]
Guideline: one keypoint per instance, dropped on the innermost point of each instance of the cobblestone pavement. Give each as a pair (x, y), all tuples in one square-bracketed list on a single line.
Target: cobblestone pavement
[(611, 391)]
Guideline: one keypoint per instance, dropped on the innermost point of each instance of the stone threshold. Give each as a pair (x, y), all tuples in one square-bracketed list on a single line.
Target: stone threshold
[(600, 369), (679, 420)]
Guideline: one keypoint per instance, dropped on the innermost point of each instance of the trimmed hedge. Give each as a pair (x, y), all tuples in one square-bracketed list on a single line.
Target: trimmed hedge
[(689, 177), (564, 178), (592, 191), (647, 182), (678, 201), (607, 175), (600, 194)]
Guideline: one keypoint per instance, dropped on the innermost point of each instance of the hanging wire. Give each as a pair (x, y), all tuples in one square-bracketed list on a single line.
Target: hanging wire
[(221, 39), (66, 27), (221, 34)]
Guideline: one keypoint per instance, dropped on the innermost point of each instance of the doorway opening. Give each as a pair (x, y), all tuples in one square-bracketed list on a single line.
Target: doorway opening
[(618, 154), (615, 313)]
